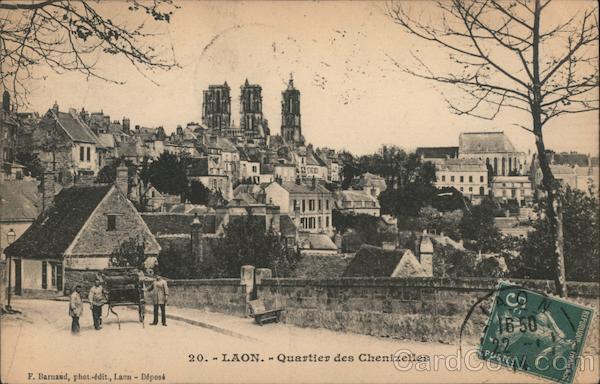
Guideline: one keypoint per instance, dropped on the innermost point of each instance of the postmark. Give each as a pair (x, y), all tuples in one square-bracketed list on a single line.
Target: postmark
[(535, 333)]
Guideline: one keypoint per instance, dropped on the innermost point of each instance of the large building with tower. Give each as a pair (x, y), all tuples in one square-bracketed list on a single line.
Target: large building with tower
[(291, 128), (252, 123), (216, 107)]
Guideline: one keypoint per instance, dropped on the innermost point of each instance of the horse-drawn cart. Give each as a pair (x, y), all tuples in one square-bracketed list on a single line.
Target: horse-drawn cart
[(124, 287)]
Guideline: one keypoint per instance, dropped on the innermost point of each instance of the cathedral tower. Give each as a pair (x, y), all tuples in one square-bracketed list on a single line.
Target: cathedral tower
[(216, 107), (251, 116), (291, 130)]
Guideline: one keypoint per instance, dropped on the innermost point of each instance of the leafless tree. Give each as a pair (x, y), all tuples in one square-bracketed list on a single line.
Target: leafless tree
[(71, 36), (506, 54)]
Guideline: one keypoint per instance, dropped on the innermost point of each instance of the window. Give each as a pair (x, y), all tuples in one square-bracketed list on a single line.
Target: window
[(326, 221), (44, 274), (327, 205), (81, 154), (443, 178), (254, 168), (303, 205), (470, 189), (452, 178), (481, 179), (462, 189), (311, 205), (462, 179), (481, 191), (89, 154), (320, 222), (470, 179), (320, 204), (111, 222)]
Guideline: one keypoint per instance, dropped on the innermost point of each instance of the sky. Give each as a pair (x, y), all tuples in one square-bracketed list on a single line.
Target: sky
[(341, 56)]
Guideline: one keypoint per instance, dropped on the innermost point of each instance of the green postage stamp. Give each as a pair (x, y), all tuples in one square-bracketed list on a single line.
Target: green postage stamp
[(531, 332)]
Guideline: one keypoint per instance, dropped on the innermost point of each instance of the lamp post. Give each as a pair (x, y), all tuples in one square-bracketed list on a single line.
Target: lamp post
[(10, 238)]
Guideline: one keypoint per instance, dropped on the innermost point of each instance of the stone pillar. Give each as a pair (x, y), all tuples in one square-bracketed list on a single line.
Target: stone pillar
[(247, 277), (261, 274), (122, 179), (426, 255), (196, 235)]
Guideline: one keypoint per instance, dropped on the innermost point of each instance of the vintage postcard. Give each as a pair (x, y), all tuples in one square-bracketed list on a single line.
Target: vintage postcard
[(299, 191)]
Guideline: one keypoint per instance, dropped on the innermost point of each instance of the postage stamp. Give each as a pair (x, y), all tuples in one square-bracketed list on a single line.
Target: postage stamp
[(535, 333)]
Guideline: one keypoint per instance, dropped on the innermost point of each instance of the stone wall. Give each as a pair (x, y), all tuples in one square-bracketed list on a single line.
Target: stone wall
[(422, 309), (216, 295)]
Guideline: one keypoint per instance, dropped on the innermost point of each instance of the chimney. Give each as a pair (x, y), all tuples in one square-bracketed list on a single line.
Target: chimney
[(6, 101), (55, 107), (122, 179), (48, 190), (196, 235)]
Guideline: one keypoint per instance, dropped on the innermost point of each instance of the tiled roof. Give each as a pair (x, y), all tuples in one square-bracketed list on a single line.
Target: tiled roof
[(371, 180), (357, 196), (165, 224), (19, 200), (52, 233), (485, 142), (315, 241), (372, 261), (303, 188), (463, 165), (75, 128), (571, 159), (437, 152), (287, 226)]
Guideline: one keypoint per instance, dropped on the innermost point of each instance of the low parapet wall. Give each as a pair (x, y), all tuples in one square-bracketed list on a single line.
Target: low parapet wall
[(217, 295), (422, 309)]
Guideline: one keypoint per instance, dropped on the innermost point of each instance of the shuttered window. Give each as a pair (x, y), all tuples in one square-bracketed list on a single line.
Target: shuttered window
[(111, 222), (44, 274)]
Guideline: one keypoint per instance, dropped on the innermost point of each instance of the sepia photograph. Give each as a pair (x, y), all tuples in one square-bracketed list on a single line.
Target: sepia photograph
[(204, 191)]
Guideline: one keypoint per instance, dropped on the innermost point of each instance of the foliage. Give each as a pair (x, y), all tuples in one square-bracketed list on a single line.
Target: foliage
[(449, 261), (33, 165), (447, 222), (168, 174), (581, 238), (108, 173), (198, 193), (67, 36), (449, 199), (130, 253), (359, 229), (246, 242), (478, 228), (513, 55)]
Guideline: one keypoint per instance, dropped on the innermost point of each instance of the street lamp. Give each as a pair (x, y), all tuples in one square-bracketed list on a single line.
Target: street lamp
[(10, 238)]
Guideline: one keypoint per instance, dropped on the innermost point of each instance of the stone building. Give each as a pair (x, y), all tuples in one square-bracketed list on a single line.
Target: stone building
[(252, 123), (495, 149), (467, 175), (78, 232), (291, 127), (517, 188), (309, 205), (216, 107), (357, 203), (371, 261)]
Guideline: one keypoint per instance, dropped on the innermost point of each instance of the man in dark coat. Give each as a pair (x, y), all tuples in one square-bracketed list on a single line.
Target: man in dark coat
[(160, 294)]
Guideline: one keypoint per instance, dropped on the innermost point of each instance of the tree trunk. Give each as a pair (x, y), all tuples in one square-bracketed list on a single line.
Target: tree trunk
[(553, 205)]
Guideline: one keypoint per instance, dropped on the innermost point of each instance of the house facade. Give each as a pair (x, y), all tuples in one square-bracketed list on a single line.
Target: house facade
[(468, 175), (78, 232)]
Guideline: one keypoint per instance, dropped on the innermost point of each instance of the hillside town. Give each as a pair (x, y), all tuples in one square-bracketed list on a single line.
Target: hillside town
[(299, 192), (329, 208)]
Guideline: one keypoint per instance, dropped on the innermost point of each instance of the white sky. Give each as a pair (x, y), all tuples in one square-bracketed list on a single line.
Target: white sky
[(353, 97)]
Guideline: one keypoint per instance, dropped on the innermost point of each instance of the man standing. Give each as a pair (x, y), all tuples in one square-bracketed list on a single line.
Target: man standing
[(75, 309), (97, 300), (160, 293)]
